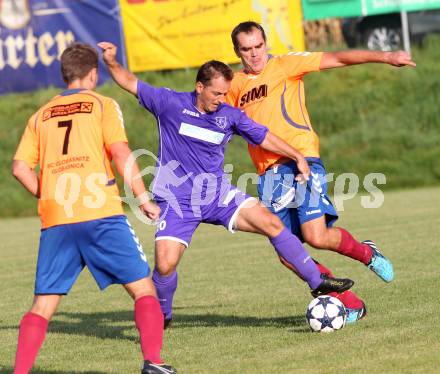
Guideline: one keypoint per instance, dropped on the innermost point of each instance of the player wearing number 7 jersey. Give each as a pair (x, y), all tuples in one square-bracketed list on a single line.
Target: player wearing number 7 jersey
[(73, 139)]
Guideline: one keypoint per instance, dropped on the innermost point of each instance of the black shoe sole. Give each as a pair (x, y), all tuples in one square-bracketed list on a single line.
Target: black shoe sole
[(348, 284)]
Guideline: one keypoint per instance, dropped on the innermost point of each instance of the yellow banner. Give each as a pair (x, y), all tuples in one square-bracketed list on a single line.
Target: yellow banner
[(169, 34)]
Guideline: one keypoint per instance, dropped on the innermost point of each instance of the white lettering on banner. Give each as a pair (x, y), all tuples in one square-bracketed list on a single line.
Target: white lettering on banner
[(29, 49), (30, 41), (11, 43), (201, 133), (45, 43)]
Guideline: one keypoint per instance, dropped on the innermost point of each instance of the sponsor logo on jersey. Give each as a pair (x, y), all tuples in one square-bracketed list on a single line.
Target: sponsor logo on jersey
[(221, 122), (254, 94), (64, 110), (190, 113)]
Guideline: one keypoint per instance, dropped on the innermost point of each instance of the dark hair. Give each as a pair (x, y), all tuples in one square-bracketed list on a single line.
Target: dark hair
[(213, 69), (77, 60), (246, 27)]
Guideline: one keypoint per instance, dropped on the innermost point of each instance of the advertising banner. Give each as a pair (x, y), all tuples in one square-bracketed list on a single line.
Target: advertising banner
[(34, 33), (168, 34), (317, 9)]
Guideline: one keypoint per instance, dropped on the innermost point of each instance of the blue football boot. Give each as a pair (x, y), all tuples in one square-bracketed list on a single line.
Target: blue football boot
[(379, 263), (354, 315)]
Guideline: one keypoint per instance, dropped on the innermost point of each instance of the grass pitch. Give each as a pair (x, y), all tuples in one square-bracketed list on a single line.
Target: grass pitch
[(237, 310)]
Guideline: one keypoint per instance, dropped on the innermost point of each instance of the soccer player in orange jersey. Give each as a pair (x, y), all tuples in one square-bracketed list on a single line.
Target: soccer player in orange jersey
[(73, 139), (270, 90)]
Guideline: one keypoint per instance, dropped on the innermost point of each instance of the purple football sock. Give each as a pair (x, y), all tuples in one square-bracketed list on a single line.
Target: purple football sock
[(165, 287), (293, 252)]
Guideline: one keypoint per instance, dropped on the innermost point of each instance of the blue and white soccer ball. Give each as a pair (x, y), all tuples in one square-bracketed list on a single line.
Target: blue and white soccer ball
[(326, 314)]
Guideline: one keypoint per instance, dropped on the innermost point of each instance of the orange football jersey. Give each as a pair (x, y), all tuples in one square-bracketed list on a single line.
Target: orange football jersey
[(275, 98), (69, 138)]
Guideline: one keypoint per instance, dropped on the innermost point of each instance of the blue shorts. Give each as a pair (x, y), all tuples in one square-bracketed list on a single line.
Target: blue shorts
[(296, 203), (178, 223), (108, 247)]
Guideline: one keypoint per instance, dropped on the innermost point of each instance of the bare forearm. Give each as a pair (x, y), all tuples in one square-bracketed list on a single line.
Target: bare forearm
[(129, 170), (276, 145), (123, 77), (360, 57), (346, 58), (26, 176)]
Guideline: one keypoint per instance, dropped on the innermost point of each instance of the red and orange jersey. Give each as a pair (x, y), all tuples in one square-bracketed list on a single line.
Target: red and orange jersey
[(70, 138), (275, 98)]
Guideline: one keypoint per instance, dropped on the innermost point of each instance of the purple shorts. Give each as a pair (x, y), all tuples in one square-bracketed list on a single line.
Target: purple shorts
[(180, 219)]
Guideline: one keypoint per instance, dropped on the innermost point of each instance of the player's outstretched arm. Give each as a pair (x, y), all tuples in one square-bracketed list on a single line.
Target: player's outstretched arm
[(26, 176), (277, 145), (346, 58), (128, 168), (123, 77)]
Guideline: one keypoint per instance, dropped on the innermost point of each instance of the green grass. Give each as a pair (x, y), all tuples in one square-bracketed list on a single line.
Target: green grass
[(237, 310), (371, 118)]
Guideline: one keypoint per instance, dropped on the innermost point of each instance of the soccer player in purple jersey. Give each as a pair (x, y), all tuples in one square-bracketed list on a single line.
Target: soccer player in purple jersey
[(194, 128)]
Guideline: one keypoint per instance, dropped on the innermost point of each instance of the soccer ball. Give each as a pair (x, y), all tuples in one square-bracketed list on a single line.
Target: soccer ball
[(326, 314)]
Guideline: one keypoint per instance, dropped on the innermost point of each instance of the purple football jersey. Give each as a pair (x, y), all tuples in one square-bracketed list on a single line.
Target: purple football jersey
[(191, 143)]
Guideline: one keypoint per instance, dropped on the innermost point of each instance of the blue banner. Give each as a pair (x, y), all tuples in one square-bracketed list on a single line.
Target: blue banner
[(34, 33)]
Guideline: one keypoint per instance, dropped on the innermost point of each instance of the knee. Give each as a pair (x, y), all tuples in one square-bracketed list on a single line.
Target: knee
[(272, 224), (167, 256), (140, 288), (316, 240), (42, 312), (147, 289), (165, 267), (45, 305)]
